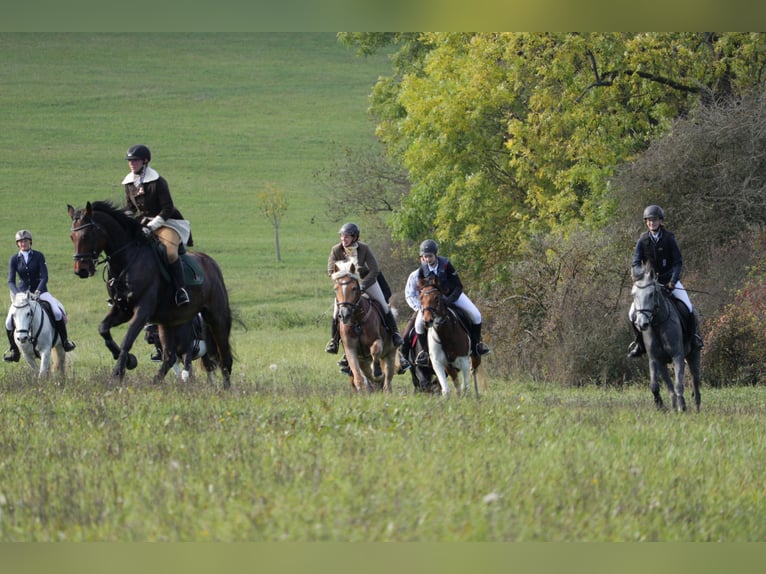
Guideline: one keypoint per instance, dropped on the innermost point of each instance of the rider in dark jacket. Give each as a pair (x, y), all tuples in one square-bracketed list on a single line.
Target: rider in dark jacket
[(32, 272), (452, 288), (657, 247)]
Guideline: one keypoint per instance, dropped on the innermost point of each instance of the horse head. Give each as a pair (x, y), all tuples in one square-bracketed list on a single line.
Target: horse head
[(23, 313), (348, 290), (647, 297), (431, 301), (88, 241)]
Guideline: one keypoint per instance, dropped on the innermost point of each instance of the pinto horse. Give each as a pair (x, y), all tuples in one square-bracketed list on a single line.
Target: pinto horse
[(139, 288), (449, 344), (362, 331), (659, 322)]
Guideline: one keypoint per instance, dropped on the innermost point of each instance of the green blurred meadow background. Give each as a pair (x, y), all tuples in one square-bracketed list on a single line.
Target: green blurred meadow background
[(289, 453)]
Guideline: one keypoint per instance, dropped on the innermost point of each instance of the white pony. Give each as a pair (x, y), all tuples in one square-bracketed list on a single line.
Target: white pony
[(36, 335)]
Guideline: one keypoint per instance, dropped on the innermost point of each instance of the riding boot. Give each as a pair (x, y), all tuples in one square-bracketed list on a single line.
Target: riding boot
[(13, 354), (332, 346), (157, 355), (423, 360), (478, 347), (404, 364), (61, 328), (636, 348), (177, 272), (393, 328)]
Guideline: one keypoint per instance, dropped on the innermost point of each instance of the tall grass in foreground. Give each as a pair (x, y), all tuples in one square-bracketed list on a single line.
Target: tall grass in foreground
[(290, 456)]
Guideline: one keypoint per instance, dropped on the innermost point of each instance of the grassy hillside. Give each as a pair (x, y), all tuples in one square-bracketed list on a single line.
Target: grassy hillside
[(223, 115)]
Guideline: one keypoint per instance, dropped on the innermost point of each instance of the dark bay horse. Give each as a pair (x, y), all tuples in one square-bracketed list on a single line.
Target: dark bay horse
[(138, 288), (660, 324), (362, 331), (449, 344)]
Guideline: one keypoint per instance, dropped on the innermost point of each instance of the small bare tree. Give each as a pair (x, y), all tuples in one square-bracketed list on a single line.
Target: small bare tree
[(273, 205)]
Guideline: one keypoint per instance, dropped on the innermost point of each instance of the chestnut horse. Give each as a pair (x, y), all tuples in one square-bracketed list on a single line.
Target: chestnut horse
[(139, 288), (449, 344), (362, 331)]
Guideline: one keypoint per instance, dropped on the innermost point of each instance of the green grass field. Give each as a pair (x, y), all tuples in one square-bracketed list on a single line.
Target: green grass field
[(289, 453)]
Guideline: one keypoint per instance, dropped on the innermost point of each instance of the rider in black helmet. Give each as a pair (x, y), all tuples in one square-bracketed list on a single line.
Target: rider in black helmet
[(452, 288), (658, 247), (350, 248), (148, 198)]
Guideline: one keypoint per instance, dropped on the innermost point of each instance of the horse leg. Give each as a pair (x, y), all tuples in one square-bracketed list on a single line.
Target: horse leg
[(220, 329), (45, 362), (694, 369), (678, 370), (654, 383), (125, 359), (113, 318)]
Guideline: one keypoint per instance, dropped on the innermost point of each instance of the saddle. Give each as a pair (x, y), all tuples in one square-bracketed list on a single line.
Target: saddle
[(687, 318), (192, 270)]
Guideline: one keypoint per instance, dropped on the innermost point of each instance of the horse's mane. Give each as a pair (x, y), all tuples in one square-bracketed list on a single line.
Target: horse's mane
[(344, 270), (108, 208), (644, 274)]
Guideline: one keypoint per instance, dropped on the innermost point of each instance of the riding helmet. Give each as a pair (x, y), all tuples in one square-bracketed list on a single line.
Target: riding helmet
[(349, 229), (654, 211), (139, 151), (23, 234), (429, 246)]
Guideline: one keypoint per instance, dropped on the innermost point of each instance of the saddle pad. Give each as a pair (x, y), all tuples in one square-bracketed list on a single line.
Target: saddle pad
[(192, 270)]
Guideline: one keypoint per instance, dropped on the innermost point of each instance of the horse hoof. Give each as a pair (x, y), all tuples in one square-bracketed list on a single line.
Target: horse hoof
[(132, 362)]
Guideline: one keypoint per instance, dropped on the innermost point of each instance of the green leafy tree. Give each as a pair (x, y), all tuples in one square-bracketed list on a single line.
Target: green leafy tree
[(505, 136)]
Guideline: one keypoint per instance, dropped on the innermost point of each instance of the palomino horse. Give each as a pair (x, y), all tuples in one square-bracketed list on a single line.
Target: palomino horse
[(190, 341), (659, 322), (362, 331), (36, 334), (449, 344), (140, 289)]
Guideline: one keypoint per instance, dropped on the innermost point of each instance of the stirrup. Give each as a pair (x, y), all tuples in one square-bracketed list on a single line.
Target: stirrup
[(69, 346), (698, 343), (346, 370), (422, 359), (404, 366), (182, 297), (332, 347), (397, 339), (156, 357)]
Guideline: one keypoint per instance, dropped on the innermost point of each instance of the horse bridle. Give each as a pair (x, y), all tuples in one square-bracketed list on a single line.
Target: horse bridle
[(654, 312), (93, 255), (33, 338), (352, 304), (439, 312)]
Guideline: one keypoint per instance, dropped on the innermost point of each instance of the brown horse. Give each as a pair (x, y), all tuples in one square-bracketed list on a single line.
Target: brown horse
[(362, 331), (139, 292), (449, 344)]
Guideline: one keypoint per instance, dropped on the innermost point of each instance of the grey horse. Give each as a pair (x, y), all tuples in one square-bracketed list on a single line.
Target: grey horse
[(660, 324)]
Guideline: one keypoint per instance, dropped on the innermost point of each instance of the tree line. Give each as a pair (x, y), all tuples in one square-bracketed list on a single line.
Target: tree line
[(529, 157)]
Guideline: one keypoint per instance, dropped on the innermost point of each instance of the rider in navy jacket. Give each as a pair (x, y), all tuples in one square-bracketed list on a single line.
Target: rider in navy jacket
[(452, 288), (32, 272), (658, 248)]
